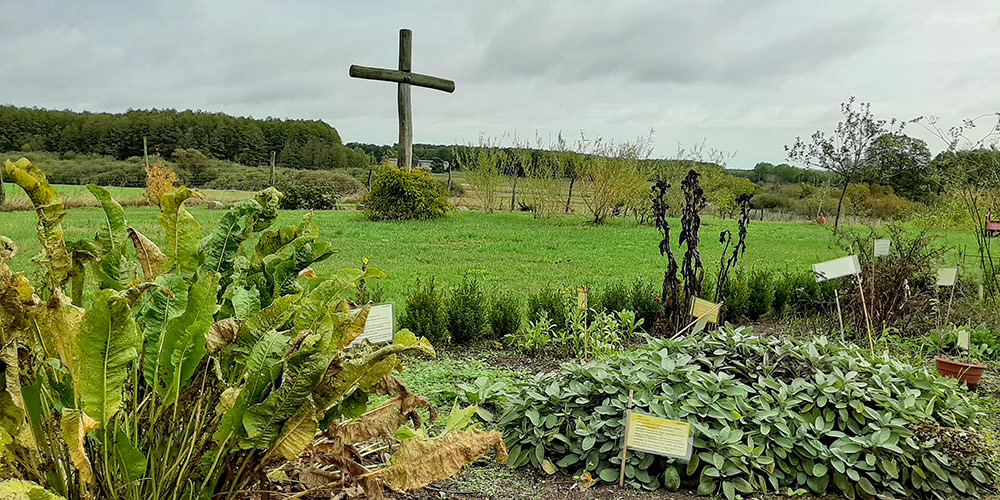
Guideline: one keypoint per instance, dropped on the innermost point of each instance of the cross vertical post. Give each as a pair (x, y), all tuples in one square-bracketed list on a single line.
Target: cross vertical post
[(405, 78), (403, 100)]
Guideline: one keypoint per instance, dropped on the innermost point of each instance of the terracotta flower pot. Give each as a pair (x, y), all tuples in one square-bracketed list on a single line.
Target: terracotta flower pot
[(966, 373)]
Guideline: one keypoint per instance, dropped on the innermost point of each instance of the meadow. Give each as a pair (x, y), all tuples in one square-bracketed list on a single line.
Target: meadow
[(507, 250)]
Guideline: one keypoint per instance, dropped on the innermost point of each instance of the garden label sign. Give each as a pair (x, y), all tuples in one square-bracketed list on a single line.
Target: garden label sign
[(659, 436), (404, 78), (703, 308), (882, 246), (946, 276), (837, 268), (380, 327)]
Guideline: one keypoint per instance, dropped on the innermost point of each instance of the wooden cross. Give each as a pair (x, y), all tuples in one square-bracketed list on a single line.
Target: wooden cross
[(404, 78)]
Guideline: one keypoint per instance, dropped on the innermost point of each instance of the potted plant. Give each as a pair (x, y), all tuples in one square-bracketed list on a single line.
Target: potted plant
[(959, 338)]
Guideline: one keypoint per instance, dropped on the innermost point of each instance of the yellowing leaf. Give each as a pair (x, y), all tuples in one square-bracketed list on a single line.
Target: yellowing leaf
[(549, 467), (298, 432), (357, 326), (75, 425), (16, 489)]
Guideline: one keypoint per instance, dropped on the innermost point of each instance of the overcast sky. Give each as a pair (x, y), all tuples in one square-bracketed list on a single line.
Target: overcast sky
[(747, 76)]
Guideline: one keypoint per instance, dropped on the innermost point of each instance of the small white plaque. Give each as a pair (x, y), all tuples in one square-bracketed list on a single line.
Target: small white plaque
[(964, 341), (380, 327), (837, 268), (882, 246), (946, 276)]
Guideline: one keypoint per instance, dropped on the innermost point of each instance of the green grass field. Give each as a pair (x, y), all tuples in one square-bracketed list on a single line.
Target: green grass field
[(509, 251)]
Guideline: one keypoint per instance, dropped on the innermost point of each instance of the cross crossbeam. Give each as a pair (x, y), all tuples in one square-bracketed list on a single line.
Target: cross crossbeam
[(404, 78)]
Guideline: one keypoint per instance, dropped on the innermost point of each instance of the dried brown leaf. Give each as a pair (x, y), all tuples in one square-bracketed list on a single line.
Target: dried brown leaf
[(221, 334), (150, 256), (382, 421), (420, 462)]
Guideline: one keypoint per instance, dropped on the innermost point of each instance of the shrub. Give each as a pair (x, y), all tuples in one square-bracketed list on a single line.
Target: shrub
[(615, 297), (467, 311), (426, 312), (160, 180), (505, 314), (551, 303), (761, 294), (818, 414), (400, 195), (315, 189), (784, 292), (190, 370), (642, 301), (298, 196), (737, 296)]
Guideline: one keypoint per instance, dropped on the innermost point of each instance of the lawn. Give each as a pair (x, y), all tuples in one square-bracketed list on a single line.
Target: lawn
[(511, 251)]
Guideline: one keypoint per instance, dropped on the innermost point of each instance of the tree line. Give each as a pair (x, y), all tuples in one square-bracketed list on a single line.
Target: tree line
[(304, 144)]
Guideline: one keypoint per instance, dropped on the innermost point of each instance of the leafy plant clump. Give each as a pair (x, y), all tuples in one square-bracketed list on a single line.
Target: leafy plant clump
[(467, 311), (400, 195), (504, 314), (426, 311), (766, 414), (197, 370)]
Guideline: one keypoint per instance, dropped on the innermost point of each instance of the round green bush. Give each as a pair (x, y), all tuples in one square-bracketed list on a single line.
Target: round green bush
[(426, 311), (467, 311), (400, 195), (766, 414)]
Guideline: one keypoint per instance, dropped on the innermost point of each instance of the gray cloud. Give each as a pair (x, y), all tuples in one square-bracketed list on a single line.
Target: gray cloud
[(748, 76)]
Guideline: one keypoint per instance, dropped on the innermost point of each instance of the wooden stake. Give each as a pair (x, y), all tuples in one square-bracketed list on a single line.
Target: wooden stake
[(273, 169), (145, 152), (840, 315), (868, 319), (628, 423), (947, 313)]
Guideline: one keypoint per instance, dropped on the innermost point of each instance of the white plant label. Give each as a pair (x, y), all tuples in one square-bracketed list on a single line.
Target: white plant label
[(380, 326), (837, 268), (882, 246)]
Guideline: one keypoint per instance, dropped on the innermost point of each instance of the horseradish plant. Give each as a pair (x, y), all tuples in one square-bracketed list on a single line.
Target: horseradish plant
[(189, 371)]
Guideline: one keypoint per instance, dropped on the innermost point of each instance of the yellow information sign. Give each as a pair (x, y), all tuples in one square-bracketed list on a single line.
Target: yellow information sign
[(581, 299), (701, 307), (659, 436)]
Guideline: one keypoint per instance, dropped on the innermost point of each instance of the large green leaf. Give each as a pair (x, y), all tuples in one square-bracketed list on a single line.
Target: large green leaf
[(270, 318), (49, 208), (264, 421), (165, 304), (16, 489), (108, 343), (259, 372), (276, 240), (183, 342), (133, 461), (182, 231), (111, 239), (239, 223)]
